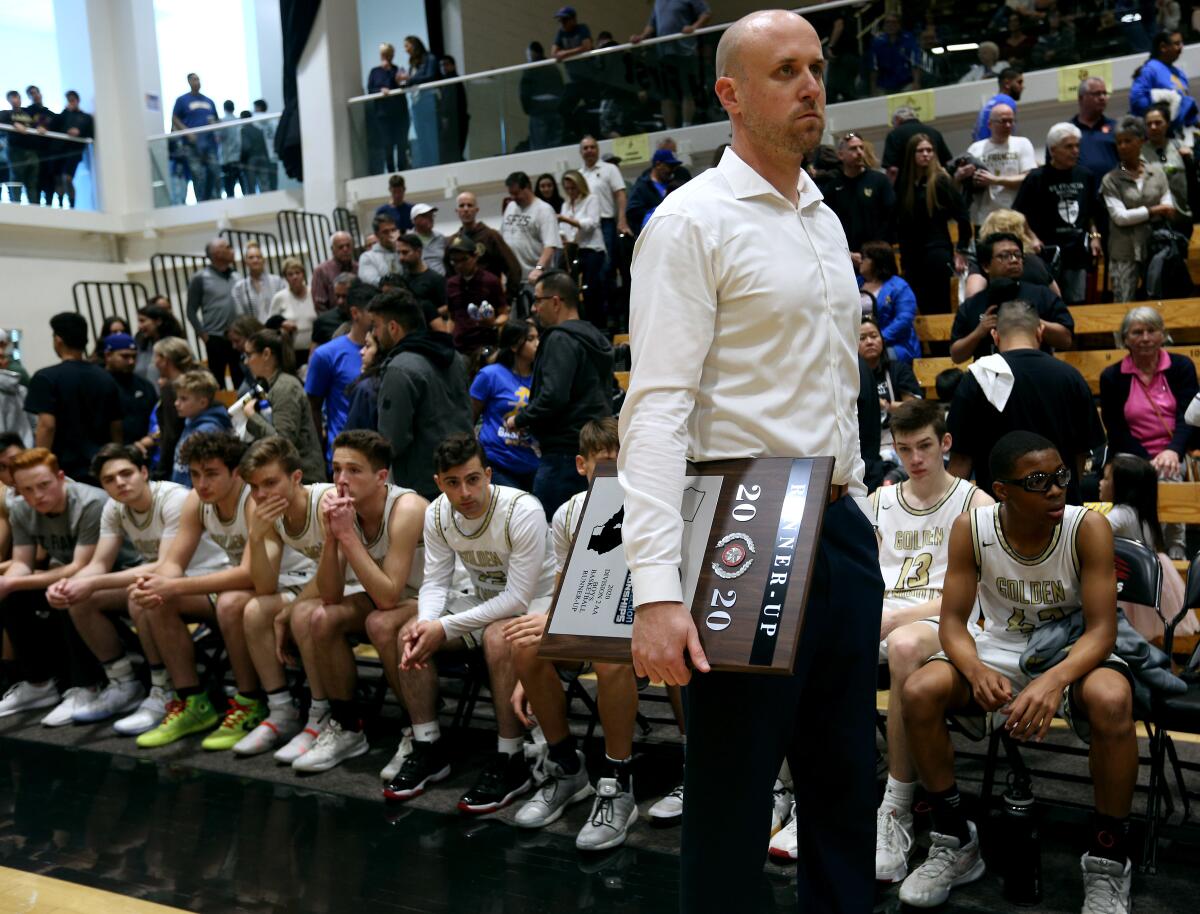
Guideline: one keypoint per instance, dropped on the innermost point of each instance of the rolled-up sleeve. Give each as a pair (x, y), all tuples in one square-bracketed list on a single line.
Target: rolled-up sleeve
[(674, 287)]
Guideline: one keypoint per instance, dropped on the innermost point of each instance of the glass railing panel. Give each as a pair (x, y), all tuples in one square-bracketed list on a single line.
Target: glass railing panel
[(225, 160), (46, 168)]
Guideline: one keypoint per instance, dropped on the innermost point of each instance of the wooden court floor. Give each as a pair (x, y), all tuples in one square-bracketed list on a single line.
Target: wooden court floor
[(28, 893)]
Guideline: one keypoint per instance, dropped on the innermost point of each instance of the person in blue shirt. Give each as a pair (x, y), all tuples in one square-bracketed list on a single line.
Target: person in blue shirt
[(195, 401), (895, 303), (650, 189), (893, 53), (498, 391), (334, 366), (399, 211), (1011, 84), (200, 150), (1160, 80), (1098, 142)]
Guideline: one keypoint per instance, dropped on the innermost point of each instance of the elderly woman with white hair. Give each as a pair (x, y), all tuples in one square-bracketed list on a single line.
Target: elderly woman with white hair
[(989, 65), (1143, 399), (1136, 195), (1059, 202)]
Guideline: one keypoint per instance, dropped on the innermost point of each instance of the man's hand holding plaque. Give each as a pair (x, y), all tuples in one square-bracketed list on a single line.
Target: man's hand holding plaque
[(664, 640)]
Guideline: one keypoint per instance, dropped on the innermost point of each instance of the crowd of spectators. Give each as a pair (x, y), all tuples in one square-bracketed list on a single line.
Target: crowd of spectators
[(31, 160)]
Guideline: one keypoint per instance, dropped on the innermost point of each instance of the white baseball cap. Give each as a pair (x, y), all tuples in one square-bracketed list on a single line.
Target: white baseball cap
[(422, 209)]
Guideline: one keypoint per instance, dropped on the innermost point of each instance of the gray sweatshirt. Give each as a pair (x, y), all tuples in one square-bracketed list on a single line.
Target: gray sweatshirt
[(210, 304)]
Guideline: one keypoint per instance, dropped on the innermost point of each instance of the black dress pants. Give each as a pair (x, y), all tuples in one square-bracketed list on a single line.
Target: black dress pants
[(45, 642), (822, 718)]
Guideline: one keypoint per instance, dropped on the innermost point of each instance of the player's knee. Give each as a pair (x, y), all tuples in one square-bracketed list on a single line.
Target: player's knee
[(615, 673), (325, 624), (1109, 705), (924, 695), (230, 607), (301, 618), (907, 649), (495, 646)]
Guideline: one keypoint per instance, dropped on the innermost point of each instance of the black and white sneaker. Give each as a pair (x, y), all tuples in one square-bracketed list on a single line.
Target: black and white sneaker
[(426, 764), (503, 779)]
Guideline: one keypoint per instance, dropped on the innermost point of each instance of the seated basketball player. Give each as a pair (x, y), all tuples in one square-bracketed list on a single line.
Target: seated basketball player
[(371, 559), (614, 809), (501, 537), (1029, 560), (286, 513), (145, 514), (217, 506), (912, 523)]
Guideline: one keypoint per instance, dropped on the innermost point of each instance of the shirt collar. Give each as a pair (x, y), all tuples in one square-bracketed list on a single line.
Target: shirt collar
[(1164, 362), (745, 182)]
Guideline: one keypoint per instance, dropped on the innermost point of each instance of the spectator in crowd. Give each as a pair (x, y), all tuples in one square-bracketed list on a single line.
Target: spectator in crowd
[(1003, 159), (608, 187), (496, 256), (192, 109), (427, 285), (334, 366), (77, 404), (469, 289), (138, 395), (229, 142), (679, 60), (580, 232), (455, 118), (387, 118), (269, 358), (651, 189), (546, 188), (423, 391), (989, 65), (1056, 43), (73, 121), (1018, 43), (895, 304), (891, 61), (8, 359), (1011, 82), (1143, 399), (341, 247), (381, 259), (23, 159), (1059, 201), (363, 411), (211, 309), (254, 293), (155, 322), (501, 389), (1034, 271), (433, 243), (242, 328), (905, 125), (1161, 79), (255, 159), (572, 384), (268, 129), (108, 326), (572, 39), (46, 148), (423, 106), (1027, 389), (396, 208), (197, 406), (294, 304), (1002, 256), (894, 383), (1098, 140), (328, 323), (1137, 196), (541, 91), (927, 201), (844, 56), (172, 359), (1174, 157), (862, 197), (530, 229)]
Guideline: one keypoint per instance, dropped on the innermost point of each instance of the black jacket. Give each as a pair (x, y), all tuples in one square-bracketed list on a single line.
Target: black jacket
[(1114, 391), (572, 385), (643, 198)]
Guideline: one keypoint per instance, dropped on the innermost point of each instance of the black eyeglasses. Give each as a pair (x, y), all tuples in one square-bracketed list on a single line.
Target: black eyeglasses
[(1041, 482)]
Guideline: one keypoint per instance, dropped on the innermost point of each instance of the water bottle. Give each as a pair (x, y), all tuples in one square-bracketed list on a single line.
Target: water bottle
[(261, 404), (1023, 844)]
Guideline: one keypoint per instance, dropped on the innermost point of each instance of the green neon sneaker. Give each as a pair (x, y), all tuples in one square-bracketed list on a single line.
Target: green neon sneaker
[(183, 718), (244, 715)]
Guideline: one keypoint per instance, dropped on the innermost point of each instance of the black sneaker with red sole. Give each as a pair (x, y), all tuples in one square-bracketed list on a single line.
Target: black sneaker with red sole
[(503, 779), (427, 764)]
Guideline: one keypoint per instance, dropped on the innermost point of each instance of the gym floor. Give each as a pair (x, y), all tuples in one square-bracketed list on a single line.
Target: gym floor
[(88, 822)]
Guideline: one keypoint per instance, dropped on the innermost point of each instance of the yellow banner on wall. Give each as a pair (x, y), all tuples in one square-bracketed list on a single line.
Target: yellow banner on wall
[(632, 149), (921, 102), (1069, 78)]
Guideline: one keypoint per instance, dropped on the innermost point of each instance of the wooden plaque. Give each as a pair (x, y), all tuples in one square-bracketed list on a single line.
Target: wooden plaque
[(750, 533)]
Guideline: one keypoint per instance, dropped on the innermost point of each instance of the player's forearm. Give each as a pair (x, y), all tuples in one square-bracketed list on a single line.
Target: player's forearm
[(502, 606), (217, 582), (331, 580), (958, 644), (42, 579), (117, 580), (380, 588), (263, 572)]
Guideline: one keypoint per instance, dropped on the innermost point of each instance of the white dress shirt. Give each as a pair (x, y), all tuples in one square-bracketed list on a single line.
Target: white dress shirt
[(604, 182), (744, 317), (587, 211)]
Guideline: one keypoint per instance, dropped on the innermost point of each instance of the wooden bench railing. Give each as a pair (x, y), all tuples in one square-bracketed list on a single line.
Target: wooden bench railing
[(1179, 502)]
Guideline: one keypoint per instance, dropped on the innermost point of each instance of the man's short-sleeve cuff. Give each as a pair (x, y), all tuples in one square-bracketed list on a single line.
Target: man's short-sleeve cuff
[(656, 584)]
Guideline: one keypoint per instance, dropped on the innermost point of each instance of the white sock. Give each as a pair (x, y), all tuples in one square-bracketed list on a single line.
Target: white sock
[(513, 746), (281, 706), (119, 670), (427, 733), (899, 795), (160, 678), (539, 738), (318, 710)]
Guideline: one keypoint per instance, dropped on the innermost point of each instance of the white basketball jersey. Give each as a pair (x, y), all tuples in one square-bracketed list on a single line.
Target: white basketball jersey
[(147, 531), (231, 536), (311, 537), (564, 527), (1019, 594), (914, 542), (484, 545), (378, 547)]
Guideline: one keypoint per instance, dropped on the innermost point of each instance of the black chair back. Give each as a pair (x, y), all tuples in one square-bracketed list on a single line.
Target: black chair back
[(1139, 573), (1191, 596)]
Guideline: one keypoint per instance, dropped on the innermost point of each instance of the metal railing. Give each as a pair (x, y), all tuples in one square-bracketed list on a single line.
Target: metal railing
[(171, 274), (346, 221), (97, 300), (240, 239), (305, 235)]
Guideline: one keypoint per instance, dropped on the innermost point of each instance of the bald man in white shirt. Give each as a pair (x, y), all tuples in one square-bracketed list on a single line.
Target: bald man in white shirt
[(747, 274)]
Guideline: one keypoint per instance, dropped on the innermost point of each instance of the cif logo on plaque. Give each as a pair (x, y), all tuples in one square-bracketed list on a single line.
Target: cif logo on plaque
[(749, 533)]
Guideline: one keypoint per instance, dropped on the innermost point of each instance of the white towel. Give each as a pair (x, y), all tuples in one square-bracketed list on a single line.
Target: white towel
[(995, 377)]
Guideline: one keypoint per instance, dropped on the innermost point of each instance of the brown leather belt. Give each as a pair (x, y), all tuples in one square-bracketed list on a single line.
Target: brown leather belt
[(836, 491)]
